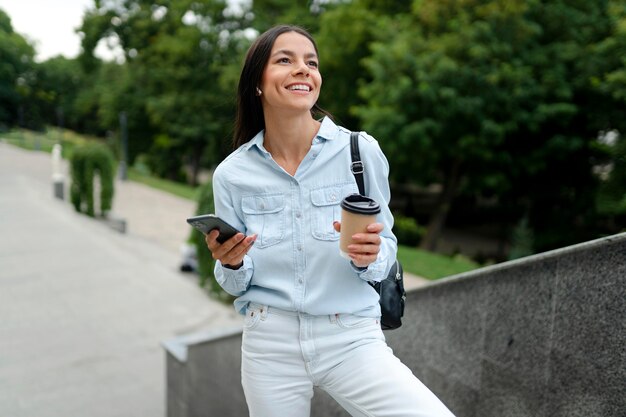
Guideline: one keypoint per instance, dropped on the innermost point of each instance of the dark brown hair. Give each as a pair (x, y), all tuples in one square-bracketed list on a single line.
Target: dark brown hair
[(249, 119)]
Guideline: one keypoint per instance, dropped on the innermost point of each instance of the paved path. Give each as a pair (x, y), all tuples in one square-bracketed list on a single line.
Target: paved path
[(83, 308), (153, 215)]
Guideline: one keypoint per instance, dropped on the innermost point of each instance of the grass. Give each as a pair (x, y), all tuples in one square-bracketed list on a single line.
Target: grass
[(172, 187), (44, 141), (433, 265)]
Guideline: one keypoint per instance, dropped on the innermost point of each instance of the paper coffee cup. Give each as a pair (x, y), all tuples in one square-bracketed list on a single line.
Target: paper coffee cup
[(357, 212)]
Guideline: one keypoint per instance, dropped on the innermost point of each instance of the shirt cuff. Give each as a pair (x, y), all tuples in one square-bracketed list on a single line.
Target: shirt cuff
[(357, 268), (374, 272), (234, 281)]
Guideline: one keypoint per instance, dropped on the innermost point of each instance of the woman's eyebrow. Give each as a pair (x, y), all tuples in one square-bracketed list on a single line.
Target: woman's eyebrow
[(291, 53)]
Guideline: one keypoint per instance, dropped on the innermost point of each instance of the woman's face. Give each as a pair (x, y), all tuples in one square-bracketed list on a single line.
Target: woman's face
[(291, 79)]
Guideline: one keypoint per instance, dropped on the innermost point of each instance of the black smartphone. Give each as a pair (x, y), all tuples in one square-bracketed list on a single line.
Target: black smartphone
[(207, 222)]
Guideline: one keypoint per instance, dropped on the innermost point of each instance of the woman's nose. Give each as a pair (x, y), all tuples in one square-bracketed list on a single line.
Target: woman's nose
[(302, 68)]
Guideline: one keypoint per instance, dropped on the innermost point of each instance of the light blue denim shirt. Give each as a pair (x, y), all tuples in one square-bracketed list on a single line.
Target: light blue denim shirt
[(295, 264)]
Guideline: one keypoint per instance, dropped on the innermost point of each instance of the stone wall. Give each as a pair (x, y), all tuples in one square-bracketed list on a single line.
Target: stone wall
[(543, 336)]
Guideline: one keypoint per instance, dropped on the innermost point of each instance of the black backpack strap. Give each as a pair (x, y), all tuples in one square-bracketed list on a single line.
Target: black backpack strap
[(357, 166)]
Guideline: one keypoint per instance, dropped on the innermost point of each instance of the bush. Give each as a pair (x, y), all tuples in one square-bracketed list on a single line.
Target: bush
[(407, 230), (87, 161), (522, 240), (164, 158), (205, 260)]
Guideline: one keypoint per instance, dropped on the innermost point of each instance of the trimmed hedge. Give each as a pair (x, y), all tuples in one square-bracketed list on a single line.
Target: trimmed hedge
[(87, 161)]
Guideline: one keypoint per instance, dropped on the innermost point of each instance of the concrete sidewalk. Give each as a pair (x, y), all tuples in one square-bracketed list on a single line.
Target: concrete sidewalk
[(83, 308)]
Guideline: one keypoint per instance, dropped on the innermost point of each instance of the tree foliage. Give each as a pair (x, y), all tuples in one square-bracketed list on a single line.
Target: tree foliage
[(16, 77), (494, 97), (264, 14), (344, 38), (179, 56), (59, 82)]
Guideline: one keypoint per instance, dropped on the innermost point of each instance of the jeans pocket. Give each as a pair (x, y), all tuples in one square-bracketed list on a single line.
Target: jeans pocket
[(350, 321), (253, 317)]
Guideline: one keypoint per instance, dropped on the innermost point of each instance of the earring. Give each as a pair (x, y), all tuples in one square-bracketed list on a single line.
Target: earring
[(258, 91)]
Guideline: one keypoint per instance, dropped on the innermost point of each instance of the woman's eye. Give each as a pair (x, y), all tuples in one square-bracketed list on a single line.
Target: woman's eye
[(284, 60), (313, 64)]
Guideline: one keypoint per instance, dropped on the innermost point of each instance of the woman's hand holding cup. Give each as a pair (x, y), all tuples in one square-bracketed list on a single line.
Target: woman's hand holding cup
[(364, 246), (359, 240)]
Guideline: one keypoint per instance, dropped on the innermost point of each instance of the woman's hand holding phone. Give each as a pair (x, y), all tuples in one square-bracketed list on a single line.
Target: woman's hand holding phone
[(232, 251), (227, 244)]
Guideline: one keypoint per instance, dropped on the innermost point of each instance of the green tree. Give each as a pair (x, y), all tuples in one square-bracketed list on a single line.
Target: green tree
[(59, 81), (492, 98), (345, 34), (179, 56), (264, 14), (610, 78), (98, 106), (17, 77)]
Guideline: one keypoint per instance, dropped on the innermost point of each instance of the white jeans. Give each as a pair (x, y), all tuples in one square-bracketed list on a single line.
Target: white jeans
[(285, 354)]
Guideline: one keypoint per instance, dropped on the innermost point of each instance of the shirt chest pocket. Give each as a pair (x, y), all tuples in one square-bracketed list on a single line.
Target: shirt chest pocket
[(326, 209), (264, 215)]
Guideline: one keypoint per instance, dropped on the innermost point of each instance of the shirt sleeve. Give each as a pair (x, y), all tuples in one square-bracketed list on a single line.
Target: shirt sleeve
[(376, 170), (233, 281)]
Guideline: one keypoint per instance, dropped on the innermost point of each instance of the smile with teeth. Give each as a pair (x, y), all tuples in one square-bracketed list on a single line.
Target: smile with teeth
[(299, 87)]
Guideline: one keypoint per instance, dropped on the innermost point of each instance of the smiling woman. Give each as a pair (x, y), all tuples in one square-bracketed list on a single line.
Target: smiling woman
[(289, 89), (311, 317)]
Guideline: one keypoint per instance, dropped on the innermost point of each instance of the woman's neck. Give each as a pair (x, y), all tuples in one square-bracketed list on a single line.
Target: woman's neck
[(289, 139)]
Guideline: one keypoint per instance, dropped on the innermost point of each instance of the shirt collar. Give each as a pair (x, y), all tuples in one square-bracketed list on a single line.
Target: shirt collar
[(328, 131), (257, 141)]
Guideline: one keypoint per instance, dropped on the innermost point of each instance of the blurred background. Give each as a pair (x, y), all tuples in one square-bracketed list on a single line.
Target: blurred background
[(502, 120)]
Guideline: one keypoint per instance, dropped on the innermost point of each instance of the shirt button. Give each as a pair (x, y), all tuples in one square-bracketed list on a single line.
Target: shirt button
[(333, 197), (298, 215), (300, 281), (299, 247)]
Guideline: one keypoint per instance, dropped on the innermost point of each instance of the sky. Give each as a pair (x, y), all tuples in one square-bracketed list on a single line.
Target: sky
[(48, 24)]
